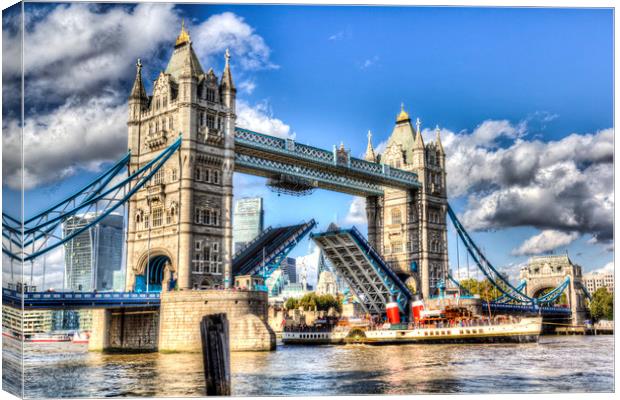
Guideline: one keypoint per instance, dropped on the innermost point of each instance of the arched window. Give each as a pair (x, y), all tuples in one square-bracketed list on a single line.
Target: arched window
[(396, 216), (197, 173)]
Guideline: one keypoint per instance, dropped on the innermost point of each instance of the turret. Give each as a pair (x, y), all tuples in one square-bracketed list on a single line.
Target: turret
[(227, 87), (370, 152), (137, 98), (440, 151)]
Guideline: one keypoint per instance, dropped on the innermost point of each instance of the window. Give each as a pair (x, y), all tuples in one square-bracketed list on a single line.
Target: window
[(397, 247), (216, 177), (211, 121), (198, 215), (396, 216), (198, 245), (171, 123), (207, 176), (146, 221), (158, 214), (173, 174), (158, 178), (197, 173), (210, 95)]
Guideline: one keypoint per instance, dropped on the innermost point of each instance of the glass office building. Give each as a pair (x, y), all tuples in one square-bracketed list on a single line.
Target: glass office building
[(247, 220), (93, 256)]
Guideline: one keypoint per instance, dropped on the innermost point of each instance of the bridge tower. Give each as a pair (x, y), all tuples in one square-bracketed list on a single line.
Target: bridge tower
[(409, 227), (179, 229), (547, 272)]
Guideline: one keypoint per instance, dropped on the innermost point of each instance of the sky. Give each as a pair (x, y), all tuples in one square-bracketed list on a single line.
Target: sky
[(523, 97)]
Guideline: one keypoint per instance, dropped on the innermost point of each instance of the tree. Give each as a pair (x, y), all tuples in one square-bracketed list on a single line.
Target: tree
[(602, 305), (313, 302), (291, 303), (484, 288)]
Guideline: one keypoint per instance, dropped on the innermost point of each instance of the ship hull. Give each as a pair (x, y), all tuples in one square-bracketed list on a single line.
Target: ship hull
[(526, 331)]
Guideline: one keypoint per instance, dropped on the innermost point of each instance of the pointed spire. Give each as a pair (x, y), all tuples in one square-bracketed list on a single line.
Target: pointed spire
[(419, 142), (227, 80), (438, 139), (370, 152), (138, 91)]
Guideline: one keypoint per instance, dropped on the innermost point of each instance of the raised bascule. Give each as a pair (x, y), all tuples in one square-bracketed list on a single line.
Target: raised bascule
[(183, 150)]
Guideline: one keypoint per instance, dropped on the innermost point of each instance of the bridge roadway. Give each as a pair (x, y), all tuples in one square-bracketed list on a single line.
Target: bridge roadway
[(73, 300)]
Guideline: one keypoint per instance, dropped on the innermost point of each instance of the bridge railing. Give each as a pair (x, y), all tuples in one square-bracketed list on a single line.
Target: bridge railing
[(81, 295), (321, 156)]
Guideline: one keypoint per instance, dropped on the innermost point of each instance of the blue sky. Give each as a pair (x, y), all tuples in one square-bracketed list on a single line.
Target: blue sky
[(523, 97)]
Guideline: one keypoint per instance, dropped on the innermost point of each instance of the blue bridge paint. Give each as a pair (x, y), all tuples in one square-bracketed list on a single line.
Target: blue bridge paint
[(69, 300)]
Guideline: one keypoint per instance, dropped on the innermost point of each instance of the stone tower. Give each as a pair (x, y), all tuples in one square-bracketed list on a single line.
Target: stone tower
[(409, 227), (179, 229)]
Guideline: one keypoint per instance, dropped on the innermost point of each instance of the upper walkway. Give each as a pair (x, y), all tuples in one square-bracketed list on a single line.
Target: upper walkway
[(270, 156)]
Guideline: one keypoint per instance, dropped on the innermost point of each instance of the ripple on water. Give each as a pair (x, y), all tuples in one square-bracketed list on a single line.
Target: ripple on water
[(556, 364)]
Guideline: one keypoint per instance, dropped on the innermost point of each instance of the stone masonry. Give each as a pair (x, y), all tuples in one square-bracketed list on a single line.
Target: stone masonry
[(181, 312)]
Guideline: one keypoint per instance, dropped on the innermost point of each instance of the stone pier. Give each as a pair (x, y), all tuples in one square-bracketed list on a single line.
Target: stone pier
[(174, 326), (181, 312)]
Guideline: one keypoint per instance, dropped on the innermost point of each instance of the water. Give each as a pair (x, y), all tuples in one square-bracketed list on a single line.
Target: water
[(555, 364)]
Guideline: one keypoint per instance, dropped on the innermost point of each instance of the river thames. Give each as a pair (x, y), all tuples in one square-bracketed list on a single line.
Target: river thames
[(555, 364)]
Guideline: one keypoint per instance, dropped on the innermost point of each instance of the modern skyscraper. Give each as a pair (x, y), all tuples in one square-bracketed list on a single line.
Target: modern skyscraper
[(289, 268), (247, 220), (92, 256)]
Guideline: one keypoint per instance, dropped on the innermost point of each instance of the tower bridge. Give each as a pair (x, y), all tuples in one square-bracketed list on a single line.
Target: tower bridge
[(184, 147)]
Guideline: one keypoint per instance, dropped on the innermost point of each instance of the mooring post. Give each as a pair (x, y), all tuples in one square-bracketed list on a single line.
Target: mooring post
[(216, 354)]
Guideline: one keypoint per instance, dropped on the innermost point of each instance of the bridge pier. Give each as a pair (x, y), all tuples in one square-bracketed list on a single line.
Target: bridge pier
[(125, 330), (175, 326)]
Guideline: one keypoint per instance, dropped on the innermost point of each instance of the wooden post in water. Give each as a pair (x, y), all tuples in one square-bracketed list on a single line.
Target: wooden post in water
[(216, 354)]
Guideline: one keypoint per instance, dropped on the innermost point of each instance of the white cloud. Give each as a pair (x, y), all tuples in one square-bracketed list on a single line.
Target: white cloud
[(53, 264), (345, 33), (76, 48), (260, 118), (247, 86), (228, 30), (545, 241), (357, 212), (74, 137), (79, 62), (564, 185), (369, 62), (609, 267)]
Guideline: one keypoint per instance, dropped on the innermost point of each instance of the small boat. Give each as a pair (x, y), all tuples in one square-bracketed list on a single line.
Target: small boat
[(48, 338), (79, 338)]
